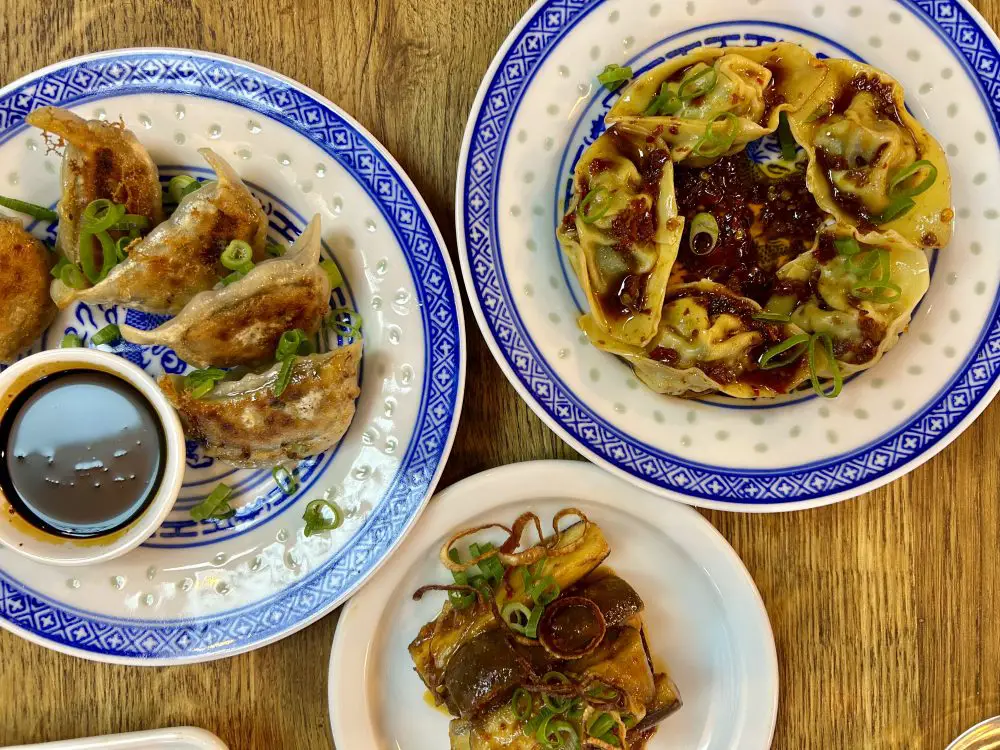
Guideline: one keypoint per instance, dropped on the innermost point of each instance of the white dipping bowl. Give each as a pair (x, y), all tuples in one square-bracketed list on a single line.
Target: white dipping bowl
[(25, 539)]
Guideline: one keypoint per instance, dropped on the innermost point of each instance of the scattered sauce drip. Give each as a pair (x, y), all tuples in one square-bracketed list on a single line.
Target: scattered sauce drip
[(82, 453)]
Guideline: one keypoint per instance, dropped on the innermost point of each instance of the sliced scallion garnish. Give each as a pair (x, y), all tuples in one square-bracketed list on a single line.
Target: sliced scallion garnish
[(238, 256), (216, 505), (284, 376), (838, 378), (773, 317), (600, 196), (347, 323), (699, 84), (275, 249), (665, 104), (232, 278), (70, 340), (531, 629), (614, 76), (292, 343), (544, 591), (72, 276), (900, 176), (332, 273), (792, 348), (130, 223), (181, 186), (322, 515), (521, 703), (516, 616), (41, 213), (897, 209), (285, 480), (704, 225), (199, 383), (601, 725), (106, 335), (713, 143), (789, 148), (100, 215), (847, 246)]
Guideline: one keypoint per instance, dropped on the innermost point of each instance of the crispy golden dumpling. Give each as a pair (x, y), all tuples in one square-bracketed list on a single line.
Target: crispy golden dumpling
[(181, 257), (733, 91), (871, 164), (241, 324), (102, 160), (243, 423), (622, 232), (24, 289)]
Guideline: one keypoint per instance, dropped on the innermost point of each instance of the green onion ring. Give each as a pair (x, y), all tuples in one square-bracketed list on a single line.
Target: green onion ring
[(897, 209), (847, 246), (591, 197), (704, 224), (544, 591), (238, 256), (70, 340), (216, 505), (332, 273), (773, 317), (866, 262), (703, 82), (291, 343), (101, 215), (109, 254), (881, 292), (521, 704), (516, 608), (106, 335), (902, 175), (771, 359), (131, 222), (41, 213), (72, 276), (275, 249), (542, 732), (87, 260), (666, 103), (347, 323), (562, 727), (317, 521), (180, 186), (286, 482), (613, 76), (789, 147), (717, 143), (531, 629), (838, 378), (284, 376), (601, 725)]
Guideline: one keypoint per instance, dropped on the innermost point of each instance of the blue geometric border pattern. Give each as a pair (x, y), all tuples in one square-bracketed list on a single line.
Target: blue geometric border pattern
[(542, 34), (174, 72)]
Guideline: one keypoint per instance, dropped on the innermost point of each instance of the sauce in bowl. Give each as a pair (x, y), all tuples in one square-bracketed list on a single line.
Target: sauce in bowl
[(82, 453)]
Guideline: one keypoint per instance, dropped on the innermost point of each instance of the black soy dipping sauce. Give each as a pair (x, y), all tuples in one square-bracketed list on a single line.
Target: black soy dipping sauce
[(81, 453)]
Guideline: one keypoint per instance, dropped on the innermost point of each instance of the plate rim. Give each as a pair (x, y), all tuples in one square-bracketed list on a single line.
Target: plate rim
[(460, 375), (916, 7), (552, 470)]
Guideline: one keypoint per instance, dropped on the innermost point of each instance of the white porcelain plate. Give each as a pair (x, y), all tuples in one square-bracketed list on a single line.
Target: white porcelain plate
[(538, 109), (197, 591), (704, 618)]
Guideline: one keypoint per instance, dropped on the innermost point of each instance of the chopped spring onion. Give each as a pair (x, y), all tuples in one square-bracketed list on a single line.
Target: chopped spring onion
[(701, 83), (292, 343), (823, 110), (613, 77), (847, 246), (540, 727), (41, 213), (838, 378), (667, 103), (600, 692), (72, 276), (556, 704), (704, 224), (460, 599), (106, 335), (87, 260), (70, 340), (199, 383), (322, 515), (284, 376), (346, 323), (285, 480), (544, 591), (60, 264), (868, 261), (216, 505), (899, 177), (773, 317), (715, 143), (516, 616), (238, 256), (232, 278), (881, 292), (600, 196), (275, 249), (180, 186), (792, 347), (333, 273), (521, 704), (898, 208), (789, 148), (601, 725), (131, 223), (101, 215), (561, 735), (531, 629), (121, 246), (491, 567)]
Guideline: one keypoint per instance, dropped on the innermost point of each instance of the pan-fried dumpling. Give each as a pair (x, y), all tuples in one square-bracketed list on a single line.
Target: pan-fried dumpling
[(24, 289), (181, 257), (861, 296), (871, 164), (708, 340), (243, 423), (622, 233), (241, 324), (736, 93), (102, 160)]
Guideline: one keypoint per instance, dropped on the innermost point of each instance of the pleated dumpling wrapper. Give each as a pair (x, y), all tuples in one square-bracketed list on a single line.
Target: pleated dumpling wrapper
[(243, 423), (861, 296), (182, 256), (622, 232), (709, 340), (24, 289), (241, 324), (871, 164), (102, 160), (712, 102)]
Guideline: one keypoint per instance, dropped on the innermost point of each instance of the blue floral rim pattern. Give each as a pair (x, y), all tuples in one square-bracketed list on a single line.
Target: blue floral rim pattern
[(202, 75), (841, 475)]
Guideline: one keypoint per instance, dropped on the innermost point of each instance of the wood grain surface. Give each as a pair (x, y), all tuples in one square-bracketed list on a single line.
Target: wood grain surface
[(886, 609)]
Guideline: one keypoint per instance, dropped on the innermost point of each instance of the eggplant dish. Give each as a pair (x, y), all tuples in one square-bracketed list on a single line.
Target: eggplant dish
[(541, 648), (711, 271)]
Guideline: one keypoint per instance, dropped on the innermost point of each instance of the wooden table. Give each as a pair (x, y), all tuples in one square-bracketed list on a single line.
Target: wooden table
[(886, 609)]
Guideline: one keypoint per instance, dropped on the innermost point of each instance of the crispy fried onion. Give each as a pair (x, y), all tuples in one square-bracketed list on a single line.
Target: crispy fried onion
[(592, 691), (419, 593), (509, 552), (567, 622), (589, 713)]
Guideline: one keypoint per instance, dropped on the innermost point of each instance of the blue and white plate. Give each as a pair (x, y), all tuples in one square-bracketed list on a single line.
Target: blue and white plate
[(199, 591), (538, 109)]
